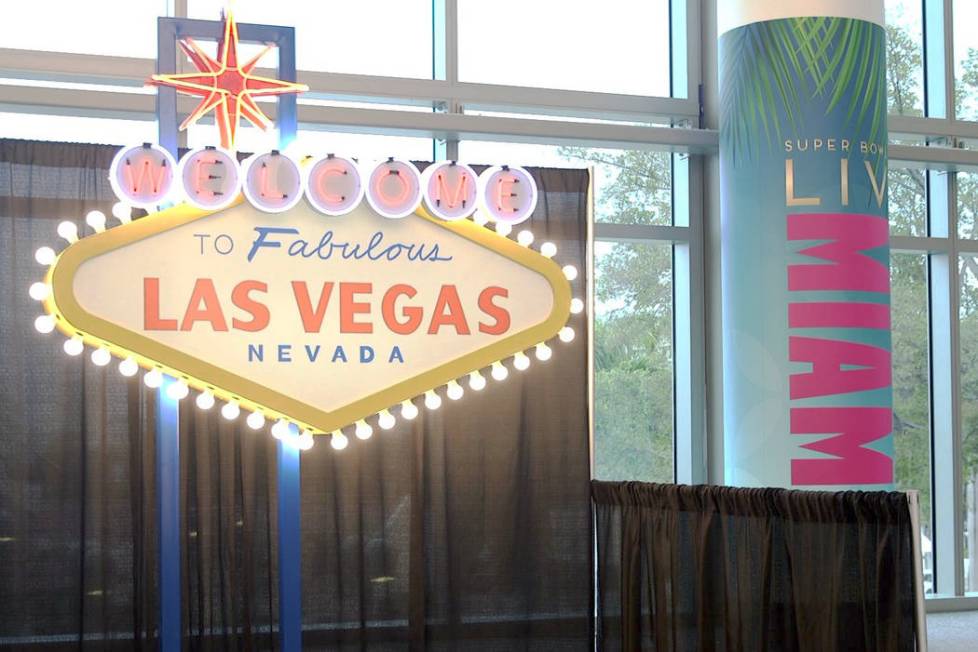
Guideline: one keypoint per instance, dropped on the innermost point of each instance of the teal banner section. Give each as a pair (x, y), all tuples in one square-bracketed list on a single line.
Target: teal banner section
[(805, 255)]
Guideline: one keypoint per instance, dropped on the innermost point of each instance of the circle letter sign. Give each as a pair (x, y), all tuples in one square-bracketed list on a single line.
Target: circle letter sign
[(143, 175), (272, 182), (210, 178), (508, 194), (333, 185), (395, 188), (450, 190)]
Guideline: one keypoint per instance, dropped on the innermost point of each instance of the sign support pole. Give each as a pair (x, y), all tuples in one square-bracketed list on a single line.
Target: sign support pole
[(289, 479), (289, 545), (168, 421), (168, 497), (169, 30)]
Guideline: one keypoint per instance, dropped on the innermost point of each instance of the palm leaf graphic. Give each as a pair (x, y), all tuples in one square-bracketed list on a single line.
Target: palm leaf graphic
[(771, 70)]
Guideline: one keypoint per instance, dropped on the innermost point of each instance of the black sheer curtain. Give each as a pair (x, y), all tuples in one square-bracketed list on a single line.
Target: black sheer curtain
[(466, 529), (77, 500), (720, 568)]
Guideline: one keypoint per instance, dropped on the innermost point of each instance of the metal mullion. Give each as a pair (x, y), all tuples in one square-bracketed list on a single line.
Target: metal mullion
[(944, 294), (133, 71), (689, 338), (919, 245), (945, 386), (637, 233)]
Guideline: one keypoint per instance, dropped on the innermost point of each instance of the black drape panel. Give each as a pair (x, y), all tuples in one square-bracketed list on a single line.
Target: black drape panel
[(77, 503), (727, 569), (467, 529)]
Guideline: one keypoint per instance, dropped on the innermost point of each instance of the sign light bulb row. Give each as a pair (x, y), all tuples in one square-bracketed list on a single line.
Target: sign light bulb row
[(101, 355), (211, 178)]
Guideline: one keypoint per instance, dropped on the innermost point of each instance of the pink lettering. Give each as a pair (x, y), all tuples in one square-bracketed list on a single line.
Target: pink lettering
[(850, 235), (828, 357), (851, 461), (838, 314)]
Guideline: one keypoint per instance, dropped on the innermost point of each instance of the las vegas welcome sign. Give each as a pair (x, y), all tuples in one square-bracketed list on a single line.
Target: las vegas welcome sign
[(317, 292)]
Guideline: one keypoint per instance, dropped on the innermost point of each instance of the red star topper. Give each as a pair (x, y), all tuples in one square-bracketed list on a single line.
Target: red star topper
[(226, 87)]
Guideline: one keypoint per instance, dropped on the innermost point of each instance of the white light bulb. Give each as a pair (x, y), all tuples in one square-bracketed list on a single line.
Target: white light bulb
[(477, 381), (44, 324), (96, 220), (280, 429), (503, 228), (39, 291), (480, 218), (45, 255), (548, 249), (455, 390), (305, 440), (255, 420), (386, 420), (363, 430), (205, 400), (230, 411), (153, 378), (566, 334), (409, 410), (499, 372), (525, 238), (576, 305), (177, 391), (521, 362), (68, 231), (570, 272), (431, 400), (543, 352), (338, 441), (74, 346), (128, 368), (101, 357), (122, 212)]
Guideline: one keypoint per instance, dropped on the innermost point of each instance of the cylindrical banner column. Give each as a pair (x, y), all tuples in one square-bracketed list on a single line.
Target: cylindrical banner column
[(805, 250)]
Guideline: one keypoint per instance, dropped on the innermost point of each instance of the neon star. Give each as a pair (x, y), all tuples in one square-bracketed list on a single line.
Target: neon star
[(227, 88)]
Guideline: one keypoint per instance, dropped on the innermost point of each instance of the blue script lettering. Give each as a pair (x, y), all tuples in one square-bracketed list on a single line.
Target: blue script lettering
[(374, 249), (261, 240)]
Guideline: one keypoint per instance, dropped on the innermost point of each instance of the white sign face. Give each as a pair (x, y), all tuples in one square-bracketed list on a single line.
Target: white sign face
[(319, 320)]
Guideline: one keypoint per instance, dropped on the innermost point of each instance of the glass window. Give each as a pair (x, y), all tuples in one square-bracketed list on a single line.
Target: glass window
[(966, 59), (905, 56), (75, 129), (969, 415), (633, 305), (911, 390), (908, 201), (630, 186), (615, 46), (633, 370), (371, 37), (363, 147), (967, 205), (115, 27)]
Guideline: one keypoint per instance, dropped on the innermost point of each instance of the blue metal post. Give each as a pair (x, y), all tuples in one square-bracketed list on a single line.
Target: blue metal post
[(168, 497), (289, 480), (289, 546), (168, 410), (168, 453)]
